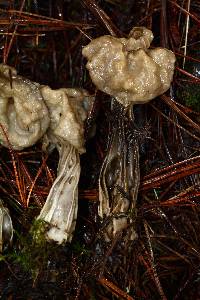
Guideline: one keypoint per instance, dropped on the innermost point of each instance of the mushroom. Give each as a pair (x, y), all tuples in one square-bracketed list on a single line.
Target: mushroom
[(126, 69), (26, 111), (24, 116), (6, 227), (131, 73), (67, 109)]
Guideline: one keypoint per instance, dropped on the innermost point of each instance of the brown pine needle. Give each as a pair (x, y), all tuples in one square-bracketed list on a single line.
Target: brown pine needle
[(115, 289)]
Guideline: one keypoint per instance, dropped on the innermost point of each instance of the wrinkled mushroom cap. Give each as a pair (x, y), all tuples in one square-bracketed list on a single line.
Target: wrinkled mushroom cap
[(23, 113), (67, 109), (126, 69)]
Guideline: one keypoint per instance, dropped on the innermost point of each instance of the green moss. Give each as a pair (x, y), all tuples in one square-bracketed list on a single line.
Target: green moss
[(35, 250)]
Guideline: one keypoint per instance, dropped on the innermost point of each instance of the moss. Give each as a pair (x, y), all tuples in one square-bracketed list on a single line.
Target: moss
[(35, 250)]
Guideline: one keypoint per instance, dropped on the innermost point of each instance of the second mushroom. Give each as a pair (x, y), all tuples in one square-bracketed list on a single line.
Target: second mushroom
[(68, 111)]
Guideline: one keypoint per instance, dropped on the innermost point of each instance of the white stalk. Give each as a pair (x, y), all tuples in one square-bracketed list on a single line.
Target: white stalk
[(60, 209)]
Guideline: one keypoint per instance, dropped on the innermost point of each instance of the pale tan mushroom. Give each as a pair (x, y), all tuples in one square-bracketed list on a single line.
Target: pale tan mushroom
[(131, 73), (23, 114), (126, 69), (67, 109)]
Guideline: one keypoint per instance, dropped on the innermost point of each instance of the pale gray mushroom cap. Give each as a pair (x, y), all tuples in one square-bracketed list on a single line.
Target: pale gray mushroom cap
[(68, 110), (23, 113), (126, 69)]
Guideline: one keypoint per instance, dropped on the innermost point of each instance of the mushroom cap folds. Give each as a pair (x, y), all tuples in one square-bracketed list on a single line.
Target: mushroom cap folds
[(67, 114), (23, 113)]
